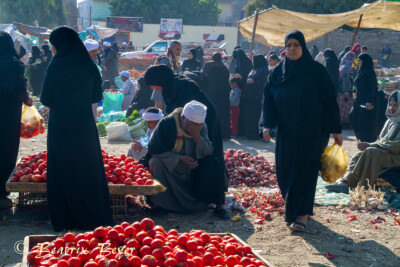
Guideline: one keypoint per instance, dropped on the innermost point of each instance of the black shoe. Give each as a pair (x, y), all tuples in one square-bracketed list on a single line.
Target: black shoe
[(222, 213)]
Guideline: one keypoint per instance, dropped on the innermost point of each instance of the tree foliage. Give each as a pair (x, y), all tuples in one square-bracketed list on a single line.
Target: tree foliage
[(192, 12), (306, 6), (48, 13)]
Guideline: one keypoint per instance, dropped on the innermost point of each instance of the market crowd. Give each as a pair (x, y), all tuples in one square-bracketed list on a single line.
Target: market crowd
[(302, 95)]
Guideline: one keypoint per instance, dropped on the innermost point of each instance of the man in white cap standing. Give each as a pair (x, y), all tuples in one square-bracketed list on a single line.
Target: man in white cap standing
[(92, 47), (180, 156), (109, 63), (128, 89)]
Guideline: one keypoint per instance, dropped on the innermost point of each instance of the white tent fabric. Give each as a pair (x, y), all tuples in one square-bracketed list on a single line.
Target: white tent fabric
[(275, 23)]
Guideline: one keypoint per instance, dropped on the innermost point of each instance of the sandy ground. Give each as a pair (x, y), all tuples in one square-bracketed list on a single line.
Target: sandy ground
[(355, 243)]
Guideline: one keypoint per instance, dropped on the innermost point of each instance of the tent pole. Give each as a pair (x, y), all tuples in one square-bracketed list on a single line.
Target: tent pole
[(355, 33), (254, 33)]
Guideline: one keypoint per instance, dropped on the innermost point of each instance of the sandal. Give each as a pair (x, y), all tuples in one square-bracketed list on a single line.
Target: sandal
[(293, 226)]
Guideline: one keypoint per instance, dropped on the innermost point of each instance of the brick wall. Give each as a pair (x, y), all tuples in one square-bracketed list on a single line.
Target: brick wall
[(373, 39)]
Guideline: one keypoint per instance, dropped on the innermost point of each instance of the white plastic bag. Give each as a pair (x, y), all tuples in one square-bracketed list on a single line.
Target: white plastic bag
[(118, 131)]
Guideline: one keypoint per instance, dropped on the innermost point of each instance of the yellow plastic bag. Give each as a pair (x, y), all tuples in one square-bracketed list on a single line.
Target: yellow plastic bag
[(334, 163), (32, 123)]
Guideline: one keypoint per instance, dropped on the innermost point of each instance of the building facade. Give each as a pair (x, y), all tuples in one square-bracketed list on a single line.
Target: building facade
[(72, 13), (232, 11), (91, 12)]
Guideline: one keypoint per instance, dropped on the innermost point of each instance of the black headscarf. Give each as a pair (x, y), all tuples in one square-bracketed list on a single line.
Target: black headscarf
[(259, 61), (35, 54), (329, 54), (217, 57), (194, 53), (69, 46), (292, 70), (243, 63), (159, 75), (366, 72), (7, 45)]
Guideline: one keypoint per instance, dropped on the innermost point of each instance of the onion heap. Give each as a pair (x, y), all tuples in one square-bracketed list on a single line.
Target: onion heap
[(245, 169)]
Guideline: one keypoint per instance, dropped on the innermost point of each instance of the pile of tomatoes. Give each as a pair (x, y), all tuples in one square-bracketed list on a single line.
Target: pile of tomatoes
[(125, 170), (31, 169), (142, 244), (119, 170)]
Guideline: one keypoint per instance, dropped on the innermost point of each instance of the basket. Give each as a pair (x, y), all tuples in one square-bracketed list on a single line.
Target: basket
[(118, 206)]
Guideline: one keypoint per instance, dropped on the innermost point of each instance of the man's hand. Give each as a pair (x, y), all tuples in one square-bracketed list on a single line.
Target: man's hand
[(137, 146), (29, 102), (266, 135), (362, 146), (189, 162), (338, 139), (194, 131)]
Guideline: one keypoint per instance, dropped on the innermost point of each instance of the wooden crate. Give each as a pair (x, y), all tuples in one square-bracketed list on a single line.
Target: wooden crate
[(33, 240), (27, 200)]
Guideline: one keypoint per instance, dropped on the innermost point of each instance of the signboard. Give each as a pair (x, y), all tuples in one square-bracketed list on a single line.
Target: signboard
[(170, 26), (213, 37), (127, 24)]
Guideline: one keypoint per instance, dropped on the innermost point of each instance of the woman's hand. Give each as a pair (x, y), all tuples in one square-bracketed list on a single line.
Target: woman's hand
[(338, 139), (29, 102), (362, 146), (137, 146), (250, 81), (266, 135), (368, 106)]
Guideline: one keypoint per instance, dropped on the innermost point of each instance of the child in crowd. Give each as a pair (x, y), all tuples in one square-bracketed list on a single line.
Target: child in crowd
[(236, 85), (151, 116)]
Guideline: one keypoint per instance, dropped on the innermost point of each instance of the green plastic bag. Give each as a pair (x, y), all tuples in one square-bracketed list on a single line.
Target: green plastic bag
[(112, 102)]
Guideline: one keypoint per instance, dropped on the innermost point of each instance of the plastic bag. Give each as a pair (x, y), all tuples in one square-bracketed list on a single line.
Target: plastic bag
[(32, 123), (138, 129), (118, 82), (334, 163), (112, 101), (118, 131)]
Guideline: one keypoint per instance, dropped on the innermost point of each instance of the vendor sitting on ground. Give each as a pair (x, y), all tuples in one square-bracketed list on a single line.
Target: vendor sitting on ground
[(375, 158), (181, 158), (128, 89), (151, 116)]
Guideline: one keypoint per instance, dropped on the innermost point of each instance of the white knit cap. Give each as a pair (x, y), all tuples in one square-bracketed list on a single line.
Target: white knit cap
[(91, 45), (107, 44), (195, 111), (125, 74)]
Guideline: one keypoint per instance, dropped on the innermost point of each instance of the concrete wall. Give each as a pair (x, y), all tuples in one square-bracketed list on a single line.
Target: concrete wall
[(190, 34), (373, 39)]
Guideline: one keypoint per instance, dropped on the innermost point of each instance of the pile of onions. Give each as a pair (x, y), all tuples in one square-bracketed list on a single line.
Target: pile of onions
[(246, 170)]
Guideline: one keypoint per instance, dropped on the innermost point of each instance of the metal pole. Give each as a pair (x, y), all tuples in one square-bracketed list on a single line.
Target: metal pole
[(355, 33), (254, 33)]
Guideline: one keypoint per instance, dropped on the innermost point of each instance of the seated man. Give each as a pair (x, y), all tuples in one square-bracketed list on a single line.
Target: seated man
[(181, 158), (151, 116), (375, 158)]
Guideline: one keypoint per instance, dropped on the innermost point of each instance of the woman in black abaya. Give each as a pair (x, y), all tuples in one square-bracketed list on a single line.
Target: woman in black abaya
[(179, 90), (37, 70), (364, 115), (299, 100), (12, 94), (253, 96), (77, 188), (332, 64), (215, 77)]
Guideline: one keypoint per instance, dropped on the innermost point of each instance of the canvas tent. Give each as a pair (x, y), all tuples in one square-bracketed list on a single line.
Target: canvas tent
[(275, 23)]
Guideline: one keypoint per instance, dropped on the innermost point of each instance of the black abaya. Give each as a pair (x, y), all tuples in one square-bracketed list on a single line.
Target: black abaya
[(252, 101), (179, 90), (365, 122), (300, 101), (77, 190), (37, 71), (218, 91), (12, 94), (143, 98), (332, 66)]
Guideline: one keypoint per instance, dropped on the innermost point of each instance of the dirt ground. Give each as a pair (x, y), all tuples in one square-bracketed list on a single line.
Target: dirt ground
[(355, 243)]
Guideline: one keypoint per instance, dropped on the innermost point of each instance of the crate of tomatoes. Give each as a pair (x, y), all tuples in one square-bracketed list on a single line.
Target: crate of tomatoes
[(124, 176), (140, 244)]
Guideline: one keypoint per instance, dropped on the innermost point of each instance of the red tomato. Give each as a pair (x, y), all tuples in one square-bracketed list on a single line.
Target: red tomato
[(147, 224), (145, 250), (135, 261), (170, 262), (149, 260), (231, 261), (75, 262)]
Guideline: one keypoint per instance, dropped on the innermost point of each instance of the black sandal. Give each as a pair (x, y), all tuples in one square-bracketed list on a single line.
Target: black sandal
[(294, 228)]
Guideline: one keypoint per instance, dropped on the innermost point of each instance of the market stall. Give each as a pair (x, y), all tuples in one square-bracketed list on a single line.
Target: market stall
[(40, 32)]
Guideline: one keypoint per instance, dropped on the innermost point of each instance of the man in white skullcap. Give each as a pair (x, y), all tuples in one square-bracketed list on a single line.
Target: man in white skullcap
[(92, 48), (128, 89), (180, 156), (151, 116)]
